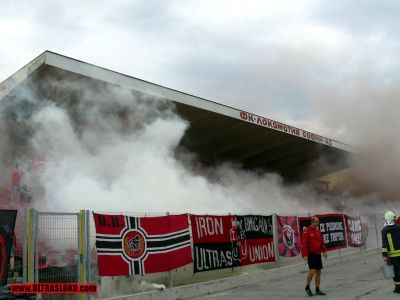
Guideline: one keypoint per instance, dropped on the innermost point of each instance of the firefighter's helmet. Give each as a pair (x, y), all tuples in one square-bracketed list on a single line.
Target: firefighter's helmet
[(390, 218)]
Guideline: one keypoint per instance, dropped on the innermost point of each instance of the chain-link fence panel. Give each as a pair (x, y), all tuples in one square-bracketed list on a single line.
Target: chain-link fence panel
[(57, 249)]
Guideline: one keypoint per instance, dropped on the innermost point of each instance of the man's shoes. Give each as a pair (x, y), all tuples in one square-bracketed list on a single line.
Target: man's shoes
[(309, 292), (320, 293)]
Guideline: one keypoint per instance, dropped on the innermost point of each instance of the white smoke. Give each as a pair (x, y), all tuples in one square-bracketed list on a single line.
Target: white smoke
[(116, 151), (364, 113), (139, 172)]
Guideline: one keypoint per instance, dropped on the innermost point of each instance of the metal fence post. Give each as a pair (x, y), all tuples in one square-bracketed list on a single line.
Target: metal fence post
[(81, 255), (87, 248), (275, 239), (36, 246), (31, 247), (169, 277), (25, 248), (376, 231)]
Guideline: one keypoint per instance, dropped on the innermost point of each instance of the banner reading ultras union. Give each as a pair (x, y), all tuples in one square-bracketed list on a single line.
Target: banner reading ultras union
[(140, 245), (255, 236)]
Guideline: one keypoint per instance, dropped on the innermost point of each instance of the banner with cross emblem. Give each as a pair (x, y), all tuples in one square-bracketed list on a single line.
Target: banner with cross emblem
[(141, 245)]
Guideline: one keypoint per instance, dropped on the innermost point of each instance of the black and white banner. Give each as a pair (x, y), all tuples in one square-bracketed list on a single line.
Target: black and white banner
[(332, 228)]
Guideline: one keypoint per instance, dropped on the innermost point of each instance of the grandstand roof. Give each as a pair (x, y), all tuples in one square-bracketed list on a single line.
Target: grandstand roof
[(217, 133)]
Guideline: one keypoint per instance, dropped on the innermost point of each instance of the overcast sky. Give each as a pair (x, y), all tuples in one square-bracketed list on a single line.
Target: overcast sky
[(280, 59)]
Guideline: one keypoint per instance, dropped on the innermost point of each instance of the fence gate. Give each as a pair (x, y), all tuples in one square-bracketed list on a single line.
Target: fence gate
[(56, 249)]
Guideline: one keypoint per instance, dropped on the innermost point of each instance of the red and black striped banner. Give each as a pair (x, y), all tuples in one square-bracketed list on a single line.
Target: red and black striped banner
[(140, 245)]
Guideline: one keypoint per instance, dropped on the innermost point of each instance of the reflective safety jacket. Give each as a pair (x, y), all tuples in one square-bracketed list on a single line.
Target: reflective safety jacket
[(391, 241)]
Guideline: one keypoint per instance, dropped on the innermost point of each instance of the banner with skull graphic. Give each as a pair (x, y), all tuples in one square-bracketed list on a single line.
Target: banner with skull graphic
[(141, 245), (288, 236)]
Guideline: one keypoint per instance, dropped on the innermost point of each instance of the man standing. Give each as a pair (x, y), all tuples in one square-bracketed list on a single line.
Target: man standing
[(391, 246), (312, 245)]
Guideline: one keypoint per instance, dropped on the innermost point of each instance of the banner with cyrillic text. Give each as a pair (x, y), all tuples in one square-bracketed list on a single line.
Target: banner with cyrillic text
[(354, 231), (332, 228)]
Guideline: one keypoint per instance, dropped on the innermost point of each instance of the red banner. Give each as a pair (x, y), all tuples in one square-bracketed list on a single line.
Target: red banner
[(288, 236), (211, 229), (132, 245)]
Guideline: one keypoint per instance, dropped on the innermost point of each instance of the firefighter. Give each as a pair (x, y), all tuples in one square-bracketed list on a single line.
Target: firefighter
[(391, 246)]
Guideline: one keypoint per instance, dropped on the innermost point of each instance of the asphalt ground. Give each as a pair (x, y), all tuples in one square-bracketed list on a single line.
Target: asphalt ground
[(361, 278)]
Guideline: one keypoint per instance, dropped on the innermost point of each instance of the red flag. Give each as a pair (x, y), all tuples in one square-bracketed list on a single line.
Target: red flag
[(288, 236), (132, 245)]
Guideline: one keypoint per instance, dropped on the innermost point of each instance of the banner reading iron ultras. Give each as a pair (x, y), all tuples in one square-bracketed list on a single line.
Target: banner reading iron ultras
[(7, 224), (140, 245), (332, 228), (215, 242), (354, 231), (229, 241), (288, 236)]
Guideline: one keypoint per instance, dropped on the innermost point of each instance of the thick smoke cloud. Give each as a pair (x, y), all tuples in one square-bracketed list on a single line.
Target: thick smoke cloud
[(365, 114), (109, 149)]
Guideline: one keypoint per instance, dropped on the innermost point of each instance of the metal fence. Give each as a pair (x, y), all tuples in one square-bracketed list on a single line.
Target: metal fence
[(54, 249), (60, 247)]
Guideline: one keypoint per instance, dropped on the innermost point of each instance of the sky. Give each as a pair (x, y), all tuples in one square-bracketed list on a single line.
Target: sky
[(293, 61)]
